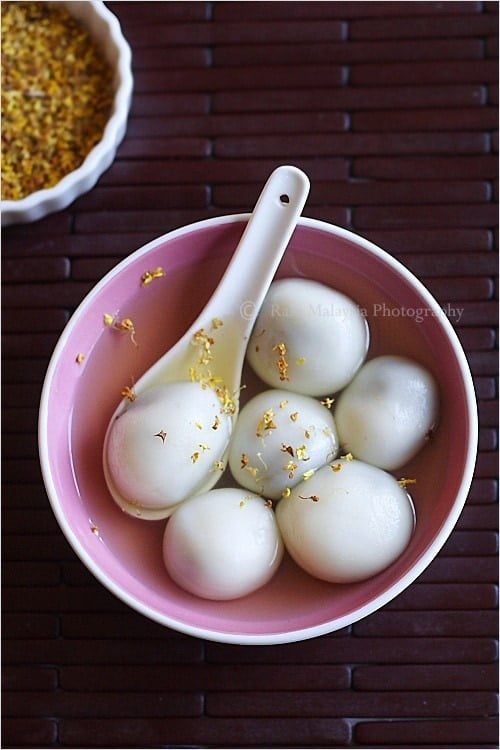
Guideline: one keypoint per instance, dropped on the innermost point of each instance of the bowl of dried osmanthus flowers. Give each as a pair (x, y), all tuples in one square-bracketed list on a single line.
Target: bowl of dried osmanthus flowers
[(66, 93)]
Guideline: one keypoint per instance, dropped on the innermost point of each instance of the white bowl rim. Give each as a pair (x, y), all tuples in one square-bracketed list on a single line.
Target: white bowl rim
[(316, 630), (49, 200)]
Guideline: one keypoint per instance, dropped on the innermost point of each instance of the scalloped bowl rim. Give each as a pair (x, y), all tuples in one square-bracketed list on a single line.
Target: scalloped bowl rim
[(49, 200), (336, 623)]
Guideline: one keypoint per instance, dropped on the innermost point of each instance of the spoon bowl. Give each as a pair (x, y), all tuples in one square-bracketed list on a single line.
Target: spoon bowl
[(210, 356)]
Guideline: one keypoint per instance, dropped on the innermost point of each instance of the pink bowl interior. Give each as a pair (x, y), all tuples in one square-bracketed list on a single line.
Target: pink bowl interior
[(78, 400)]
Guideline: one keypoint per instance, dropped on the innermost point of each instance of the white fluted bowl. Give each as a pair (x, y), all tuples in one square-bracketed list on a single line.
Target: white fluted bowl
[(105, 30)]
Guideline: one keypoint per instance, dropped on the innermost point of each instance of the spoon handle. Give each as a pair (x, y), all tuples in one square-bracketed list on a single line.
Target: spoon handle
[(252, 268), (241, 291)]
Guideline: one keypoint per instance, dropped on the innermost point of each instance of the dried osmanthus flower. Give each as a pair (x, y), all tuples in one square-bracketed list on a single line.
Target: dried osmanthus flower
[(128, 393), (149, 276), (125, 325), (281, 362), (266, 423), (205, 342), (404, 482)]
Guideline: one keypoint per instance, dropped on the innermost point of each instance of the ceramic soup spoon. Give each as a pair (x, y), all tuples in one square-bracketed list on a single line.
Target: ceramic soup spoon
[(170, 442)]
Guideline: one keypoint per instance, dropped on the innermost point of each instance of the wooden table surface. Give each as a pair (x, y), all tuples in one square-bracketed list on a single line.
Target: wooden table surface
[(391, 109)]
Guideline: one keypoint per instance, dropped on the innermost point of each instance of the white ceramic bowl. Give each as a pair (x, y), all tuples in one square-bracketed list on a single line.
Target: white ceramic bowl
[(105, 29), (80, 395)]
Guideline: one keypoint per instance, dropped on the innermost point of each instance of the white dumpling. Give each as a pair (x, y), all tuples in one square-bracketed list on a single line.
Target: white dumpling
[(386, 412), (165, 446), (222, 544), (308, 338), (347, 523), (278, 437)]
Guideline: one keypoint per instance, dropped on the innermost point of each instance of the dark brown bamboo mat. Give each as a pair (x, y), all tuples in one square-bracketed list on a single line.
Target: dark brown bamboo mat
[(391, 109)]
